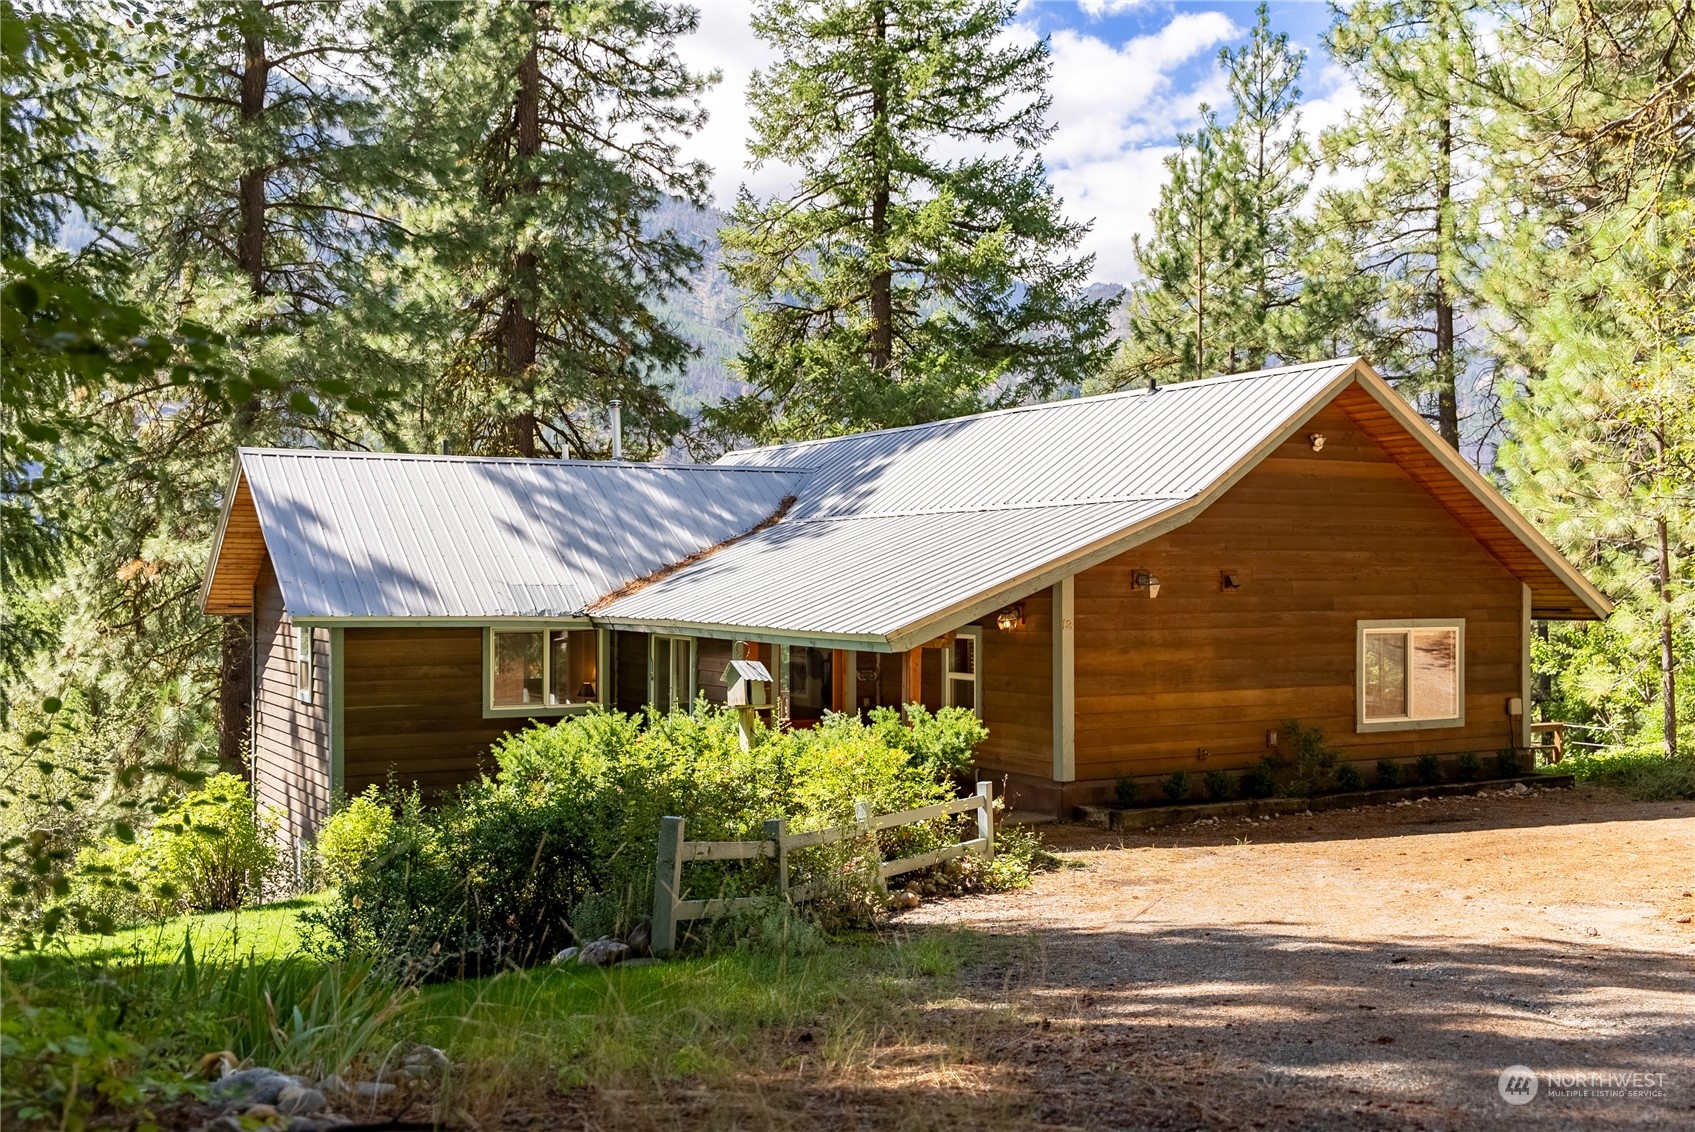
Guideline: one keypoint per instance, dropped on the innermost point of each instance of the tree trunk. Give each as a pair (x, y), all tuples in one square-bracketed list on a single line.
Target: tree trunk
[(517, 317), (235, 695), (1447, 383), (255, 79), (1668, 657), (1200, 284), (882, 278)]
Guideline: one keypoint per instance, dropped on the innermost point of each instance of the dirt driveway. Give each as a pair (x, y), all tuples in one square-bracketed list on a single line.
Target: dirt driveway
[(1358, 970)]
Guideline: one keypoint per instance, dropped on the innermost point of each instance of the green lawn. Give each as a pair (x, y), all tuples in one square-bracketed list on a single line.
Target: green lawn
[(269, 931)]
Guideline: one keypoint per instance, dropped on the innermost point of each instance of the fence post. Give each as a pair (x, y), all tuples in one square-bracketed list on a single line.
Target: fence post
[(775, 830), (862, 817), (667, 880), (986, 818)]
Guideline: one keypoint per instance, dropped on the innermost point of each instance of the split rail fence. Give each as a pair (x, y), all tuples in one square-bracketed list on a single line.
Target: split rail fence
[(674, 852)]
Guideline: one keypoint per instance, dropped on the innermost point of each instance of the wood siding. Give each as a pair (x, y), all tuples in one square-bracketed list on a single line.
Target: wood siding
[(629, 661), (1016, 684), (414, 707), (1320, 540), (291, 738), (241, 556)]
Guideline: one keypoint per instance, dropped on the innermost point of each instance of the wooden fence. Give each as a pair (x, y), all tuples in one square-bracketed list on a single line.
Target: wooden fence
[(778, 843)]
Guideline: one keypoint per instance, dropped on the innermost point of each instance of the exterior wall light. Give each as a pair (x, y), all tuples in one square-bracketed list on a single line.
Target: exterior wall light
[(1229, 581), (1010, 618), (1142, 580), (1317, 441)]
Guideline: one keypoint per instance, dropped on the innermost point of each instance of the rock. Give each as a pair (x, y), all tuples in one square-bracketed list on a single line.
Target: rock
[(566, 956), (1683, 919), (424, 1062), (300, 1100), (321, 1122), (265, 1112), (332, 1084), (246, 1087), (640, 939), (1520, 788), (371, 1090), (901, 901), (604, 953)]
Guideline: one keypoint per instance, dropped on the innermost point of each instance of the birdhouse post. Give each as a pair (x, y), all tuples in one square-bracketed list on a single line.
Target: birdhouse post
[(748, 690)]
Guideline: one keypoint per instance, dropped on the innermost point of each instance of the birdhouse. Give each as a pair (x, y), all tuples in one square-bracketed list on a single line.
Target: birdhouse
[(748, 684)]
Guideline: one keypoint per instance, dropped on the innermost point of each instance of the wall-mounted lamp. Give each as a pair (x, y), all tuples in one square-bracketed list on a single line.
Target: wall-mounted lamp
[(1229, 581), (1010, 618), (1142, 580), (1316, 439), (1202, 754)]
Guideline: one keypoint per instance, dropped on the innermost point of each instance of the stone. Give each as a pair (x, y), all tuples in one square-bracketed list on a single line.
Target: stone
[(300, 1100), (640, 939), (604, 953), (424, 1061), (901, 901), (371, 1090), (245, 1087), (644, 961), (566, 956)]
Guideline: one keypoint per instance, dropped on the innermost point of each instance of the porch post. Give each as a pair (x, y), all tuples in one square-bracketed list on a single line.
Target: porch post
[(1064, 680)]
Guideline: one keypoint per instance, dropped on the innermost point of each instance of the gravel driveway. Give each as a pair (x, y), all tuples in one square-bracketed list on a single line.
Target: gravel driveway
[(1359, 969)]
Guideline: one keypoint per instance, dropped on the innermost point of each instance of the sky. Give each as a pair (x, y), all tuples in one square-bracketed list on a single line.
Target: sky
[(1128, 76)]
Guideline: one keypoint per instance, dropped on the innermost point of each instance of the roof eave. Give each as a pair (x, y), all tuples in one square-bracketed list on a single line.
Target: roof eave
[(230, 491)]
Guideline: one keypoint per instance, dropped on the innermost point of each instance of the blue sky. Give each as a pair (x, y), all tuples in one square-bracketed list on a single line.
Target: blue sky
[(1128, 76)]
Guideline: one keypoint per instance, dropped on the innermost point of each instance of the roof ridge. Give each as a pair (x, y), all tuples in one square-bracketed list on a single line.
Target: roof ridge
[(1093, 398), (640, 465), (1151, 497)]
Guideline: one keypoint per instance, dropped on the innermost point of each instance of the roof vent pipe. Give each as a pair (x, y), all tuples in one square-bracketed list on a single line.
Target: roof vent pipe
[(617, 429)]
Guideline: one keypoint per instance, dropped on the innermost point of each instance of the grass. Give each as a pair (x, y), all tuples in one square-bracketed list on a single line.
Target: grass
[(268, 931), (1645, 776)]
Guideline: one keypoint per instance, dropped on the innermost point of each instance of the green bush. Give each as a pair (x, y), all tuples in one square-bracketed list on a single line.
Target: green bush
[(1390, 774), (1314, 760), (1219, 785), (357, 831), (210, 850), (1468, 766), (1507, 764), (1177, 786), (1648, 776), (1259, 781), (1348, 777), (559, 842), (1429, 769), (1127, 788)]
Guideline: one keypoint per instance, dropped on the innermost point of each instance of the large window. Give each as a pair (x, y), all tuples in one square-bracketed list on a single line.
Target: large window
[(1411, 674), (542, 671), (962, 672), (671, 673)]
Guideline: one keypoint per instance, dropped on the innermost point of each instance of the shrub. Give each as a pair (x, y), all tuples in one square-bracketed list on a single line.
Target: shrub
[(1468, 766), (1219, 785), (1429, 769), (1177, 786), (1390, 774), (210, 850), (1650, 776), (559, 841), (1506, 763), (357, 831), (1126, 789), (1348, 777), (1313, 759), (1259, 781)]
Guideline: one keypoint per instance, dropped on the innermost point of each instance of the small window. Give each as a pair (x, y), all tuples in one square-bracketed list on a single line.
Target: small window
[(961, 680), (542, 670), (1411, 674), (303, 664)]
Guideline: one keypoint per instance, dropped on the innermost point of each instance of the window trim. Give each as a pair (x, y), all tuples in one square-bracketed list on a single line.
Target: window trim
[(1361, 628), (653, 668), (539, 711), (305, 663), (949, 676)]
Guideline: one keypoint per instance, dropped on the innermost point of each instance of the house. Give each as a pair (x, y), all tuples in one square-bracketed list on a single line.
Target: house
[(1129, 584)]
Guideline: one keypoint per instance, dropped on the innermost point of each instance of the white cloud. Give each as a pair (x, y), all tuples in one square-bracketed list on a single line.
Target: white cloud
[(1098, 8), (725, 42)]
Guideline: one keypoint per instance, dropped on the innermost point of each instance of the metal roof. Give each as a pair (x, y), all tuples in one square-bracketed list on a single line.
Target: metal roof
[(893, 529), (361, 535)]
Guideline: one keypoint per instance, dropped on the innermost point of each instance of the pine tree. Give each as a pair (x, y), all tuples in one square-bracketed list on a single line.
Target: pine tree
[(1412, 226), (555, 130), (898, 282)]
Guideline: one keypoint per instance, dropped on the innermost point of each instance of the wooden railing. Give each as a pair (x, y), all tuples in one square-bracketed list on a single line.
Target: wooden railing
[(675, 852)]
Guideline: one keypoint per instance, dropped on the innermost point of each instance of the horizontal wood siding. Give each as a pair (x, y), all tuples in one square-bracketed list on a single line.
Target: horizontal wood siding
[(1016, 684), (1320, 540), (414, 708), (712, 657), (291, 739)]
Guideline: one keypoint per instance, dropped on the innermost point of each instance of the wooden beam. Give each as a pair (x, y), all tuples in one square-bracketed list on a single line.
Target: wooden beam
[(839, 680), (1065, 680), (911, 678)]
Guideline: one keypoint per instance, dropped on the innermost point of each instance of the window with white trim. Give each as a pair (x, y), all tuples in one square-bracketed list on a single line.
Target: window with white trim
[(962, 670), (541, 671), (303, 664), (1411, 674), (671, 673)]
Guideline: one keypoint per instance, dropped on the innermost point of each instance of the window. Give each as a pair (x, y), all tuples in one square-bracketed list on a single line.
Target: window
[(961, 671), (671, 673), (303, 664), (1411, 675), (541, 671)]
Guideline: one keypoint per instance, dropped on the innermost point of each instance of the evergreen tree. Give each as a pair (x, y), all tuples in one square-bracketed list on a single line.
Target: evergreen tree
[(899, 282), (554, 130), (1412, 226)]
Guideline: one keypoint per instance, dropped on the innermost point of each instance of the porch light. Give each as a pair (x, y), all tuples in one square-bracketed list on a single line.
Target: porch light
[(1316, 439), (1010, 618), (1142, 580)]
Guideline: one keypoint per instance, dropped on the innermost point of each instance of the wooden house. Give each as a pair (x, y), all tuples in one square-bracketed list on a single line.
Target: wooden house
[(1129, 584)]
